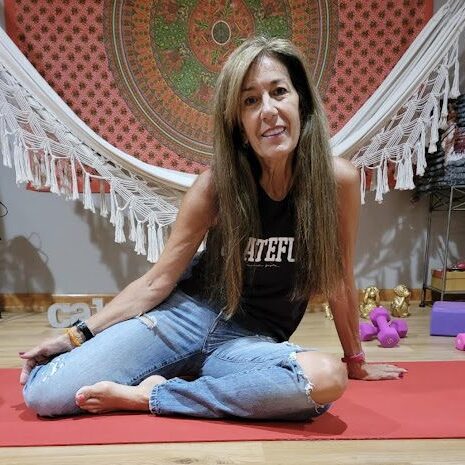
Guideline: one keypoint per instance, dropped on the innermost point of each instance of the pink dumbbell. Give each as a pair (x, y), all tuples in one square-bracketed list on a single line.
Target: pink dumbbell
[(367, 331), (400, 326), (460, 341), (387, 336)]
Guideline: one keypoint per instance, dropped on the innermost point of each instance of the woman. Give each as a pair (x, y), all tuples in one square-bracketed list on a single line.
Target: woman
[(282, 215)]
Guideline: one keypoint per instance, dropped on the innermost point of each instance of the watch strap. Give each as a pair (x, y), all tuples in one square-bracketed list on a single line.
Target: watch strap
[(86, 332)]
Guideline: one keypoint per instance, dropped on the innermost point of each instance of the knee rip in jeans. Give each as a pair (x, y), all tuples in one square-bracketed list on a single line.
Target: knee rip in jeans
[(309, 386), (149, 321)]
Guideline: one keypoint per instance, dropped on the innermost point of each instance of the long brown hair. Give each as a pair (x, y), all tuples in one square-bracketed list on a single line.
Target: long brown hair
[(235, 167)]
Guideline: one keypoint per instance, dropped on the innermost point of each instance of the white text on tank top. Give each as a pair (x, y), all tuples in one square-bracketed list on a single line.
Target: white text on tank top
[(264, 252)]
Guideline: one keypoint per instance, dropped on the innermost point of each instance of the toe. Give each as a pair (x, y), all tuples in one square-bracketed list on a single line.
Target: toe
[(82, 395)]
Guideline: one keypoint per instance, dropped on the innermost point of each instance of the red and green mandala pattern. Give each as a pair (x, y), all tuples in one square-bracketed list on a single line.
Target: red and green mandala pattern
[(166, 56), (140, 72)]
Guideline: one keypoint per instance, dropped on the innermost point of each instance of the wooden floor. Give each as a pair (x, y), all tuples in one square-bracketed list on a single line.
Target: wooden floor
[(19, 331)]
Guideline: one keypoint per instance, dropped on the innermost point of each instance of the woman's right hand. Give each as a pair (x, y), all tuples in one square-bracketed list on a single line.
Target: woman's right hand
[(42, 353)]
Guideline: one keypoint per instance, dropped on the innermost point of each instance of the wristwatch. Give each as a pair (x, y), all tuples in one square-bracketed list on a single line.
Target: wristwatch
[(83, 328)]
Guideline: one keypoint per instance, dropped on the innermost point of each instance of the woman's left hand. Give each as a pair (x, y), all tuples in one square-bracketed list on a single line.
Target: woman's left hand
[(375, 371)]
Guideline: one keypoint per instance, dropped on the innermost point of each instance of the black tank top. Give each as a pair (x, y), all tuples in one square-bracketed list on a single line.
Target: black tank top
[(266, 305)]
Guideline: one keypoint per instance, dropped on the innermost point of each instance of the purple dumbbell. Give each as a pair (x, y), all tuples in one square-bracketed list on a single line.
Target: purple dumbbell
[(460, 341), (387, 336), (400, 326), (367, 331)]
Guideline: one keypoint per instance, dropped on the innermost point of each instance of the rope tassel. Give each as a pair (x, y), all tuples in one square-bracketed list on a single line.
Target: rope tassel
[(53, 177), (132, 225), (434, 135), (455, 91), (88, 201), (103, 200), (119, 227), (4, 143), (140, 239), (18, 157), (74, 183), (363, 183), (152, 254), (112, 206)]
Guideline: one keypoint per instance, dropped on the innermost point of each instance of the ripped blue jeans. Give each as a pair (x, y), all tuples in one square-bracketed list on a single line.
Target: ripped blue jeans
[(215, 368)]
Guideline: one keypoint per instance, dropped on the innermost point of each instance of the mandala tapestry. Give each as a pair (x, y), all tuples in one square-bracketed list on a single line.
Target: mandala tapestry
[(141, 73)]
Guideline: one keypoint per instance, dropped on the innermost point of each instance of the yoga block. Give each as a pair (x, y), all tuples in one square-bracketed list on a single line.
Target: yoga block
[(447, 318)]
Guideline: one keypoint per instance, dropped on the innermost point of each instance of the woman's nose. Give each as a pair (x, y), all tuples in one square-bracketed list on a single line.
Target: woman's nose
[(268, 107)]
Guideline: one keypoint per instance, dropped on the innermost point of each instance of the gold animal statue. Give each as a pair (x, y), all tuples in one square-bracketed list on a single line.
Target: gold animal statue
[(369, 302), (327, 310), (401, 302)]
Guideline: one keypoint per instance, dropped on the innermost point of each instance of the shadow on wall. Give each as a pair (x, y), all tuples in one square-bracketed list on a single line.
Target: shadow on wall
[(392, 240), (120, 259), (391, 243), (23, 265)]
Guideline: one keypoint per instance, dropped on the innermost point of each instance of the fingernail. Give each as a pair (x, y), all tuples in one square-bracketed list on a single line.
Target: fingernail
[(401, 375), (21, 353)]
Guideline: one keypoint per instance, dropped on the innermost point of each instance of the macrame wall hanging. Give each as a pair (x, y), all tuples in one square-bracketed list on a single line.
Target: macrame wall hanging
[(50, 146)]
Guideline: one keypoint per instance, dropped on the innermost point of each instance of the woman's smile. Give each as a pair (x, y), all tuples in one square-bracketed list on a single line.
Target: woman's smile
[(274, 132)]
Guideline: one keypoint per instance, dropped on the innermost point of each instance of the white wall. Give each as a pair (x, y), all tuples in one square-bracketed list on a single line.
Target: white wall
[(50, 245)]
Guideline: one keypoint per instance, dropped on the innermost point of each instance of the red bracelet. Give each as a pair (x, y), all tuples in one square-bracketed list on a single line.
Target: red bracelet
[(356, 358)]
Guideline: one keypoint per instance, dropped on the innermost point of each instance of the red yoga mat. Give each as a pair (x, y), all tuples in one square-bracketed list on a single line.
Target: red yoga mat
[(429, 402)]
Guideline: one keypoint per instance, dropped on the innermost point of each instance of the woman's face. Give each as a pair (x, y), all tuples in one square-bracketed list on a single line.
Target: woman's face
[(269, 110)]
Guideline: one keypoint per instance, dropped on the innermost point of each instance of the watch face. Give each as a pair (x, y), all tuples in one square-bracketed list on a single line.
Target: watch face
[(87, 333)]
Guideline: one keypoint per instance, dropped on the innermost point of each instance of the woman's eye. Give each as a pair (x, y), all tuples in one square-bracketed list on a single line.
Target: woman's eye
[(280, 91), (250, 101)]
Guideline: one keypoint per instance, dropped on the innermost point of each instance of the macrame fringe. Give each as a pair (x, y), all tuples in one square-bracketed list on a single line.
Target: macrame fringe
[(445, 101), (379, 184), (74, 182), (420, 154), (4, 142), (112, 205), (88, 200), (132, 225), (119, 227), (18, 157), (404, 179), (140, 238), (160, 240), (53, 176), (36, 171), (455, 91), (363, 185), (434, 135), (103, 200), (152, 252), (41, 167)]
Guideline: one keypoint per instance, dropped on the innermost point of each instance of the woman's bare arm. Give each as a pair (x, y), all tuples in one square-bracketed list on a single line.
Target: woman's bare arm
[(344, 303), (195, 217)]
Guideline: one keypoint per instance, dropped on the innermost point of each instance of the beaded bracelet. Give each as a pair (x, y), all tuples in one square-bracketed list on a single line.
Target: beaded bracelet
[(356, 358), (73, 337)]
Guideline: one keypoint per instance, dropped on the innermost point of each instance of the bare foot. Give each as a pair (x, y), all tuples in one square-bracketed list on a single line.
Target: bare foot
[(107, 396)]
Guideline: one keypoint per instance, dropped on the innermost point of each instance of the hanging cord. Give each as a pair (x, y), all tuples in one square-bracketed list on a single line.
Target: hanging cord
[(3, 211)]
